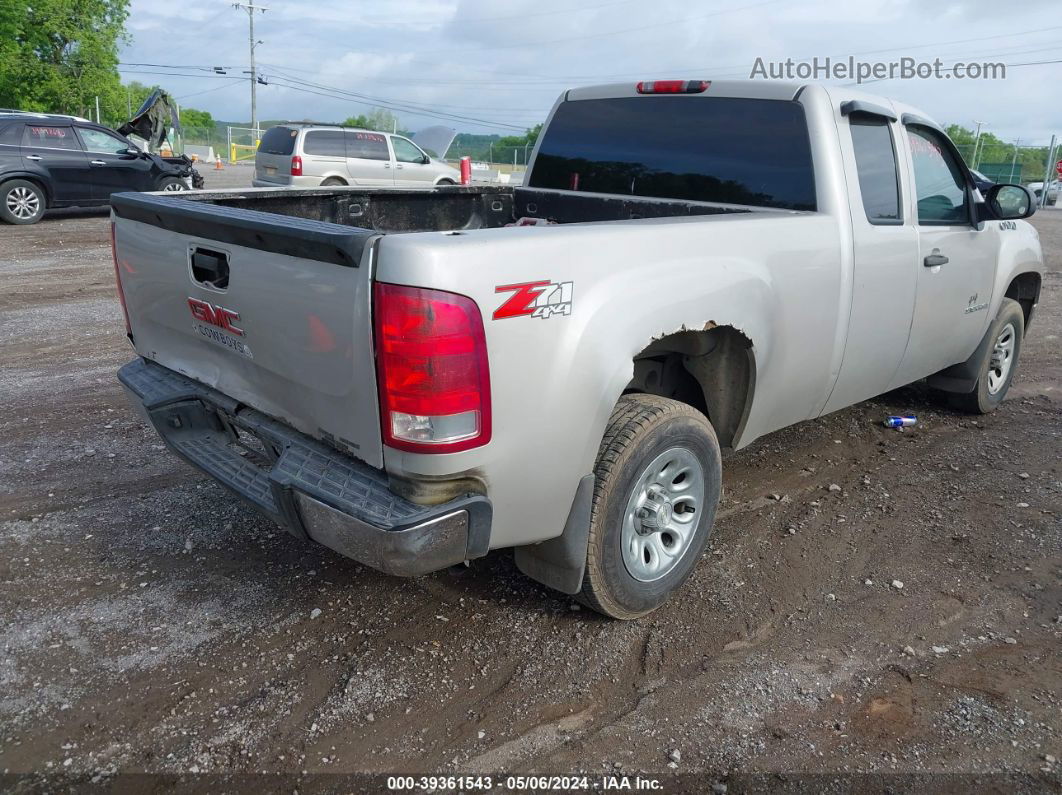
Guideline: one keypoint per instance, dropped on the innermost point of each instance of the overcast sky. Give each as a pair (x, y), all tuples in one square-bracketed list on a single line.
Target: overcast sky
[(500, 65)]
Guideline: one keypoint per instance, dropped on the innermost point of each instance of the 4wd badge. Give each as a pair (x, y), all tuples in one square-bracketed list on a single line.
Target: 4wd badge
[(537, 299)]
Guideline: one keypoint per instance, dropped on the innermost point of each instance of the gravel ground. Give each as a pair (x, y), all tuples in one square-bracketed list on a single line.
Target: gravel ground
[(874, 602)]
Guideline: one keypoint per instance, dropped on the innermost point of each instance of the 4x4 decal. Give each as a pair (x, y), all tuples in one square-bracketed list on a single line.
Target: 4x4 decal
[(537, 299)]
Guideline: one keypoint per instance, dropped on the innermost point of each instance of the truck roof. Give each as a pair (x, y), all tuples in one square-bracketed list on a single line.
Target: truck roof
[(762, 89), (755, 89)]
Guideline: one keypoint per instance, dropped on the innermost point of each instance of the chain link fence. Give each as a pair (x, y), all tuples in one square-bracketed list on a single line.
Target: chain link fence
[(1014, 162)]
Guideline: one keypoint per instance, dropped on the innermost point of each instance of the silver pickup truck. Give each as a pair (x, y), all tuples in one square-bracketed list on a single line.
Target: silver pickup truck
[(415, 377)]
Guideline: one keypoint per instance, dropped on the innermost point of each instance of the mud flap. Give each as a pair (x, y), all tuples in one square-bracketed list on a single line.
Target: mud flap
[(962, 377), (559, 562)]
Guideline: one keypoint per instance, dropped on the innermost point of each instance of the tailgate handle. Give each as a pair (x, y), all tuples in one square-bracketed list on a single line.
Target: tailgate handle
[(210, 268)]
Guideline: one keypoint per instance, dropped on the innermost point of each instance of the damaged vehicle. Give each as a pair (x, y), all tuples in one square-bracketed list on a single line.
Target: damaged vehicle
[(49, 161), (416, 377)]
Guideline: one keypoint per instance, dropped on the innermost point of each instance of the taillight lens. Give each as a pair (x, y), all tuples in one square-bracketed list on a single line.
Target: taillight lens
[(118, 282), (672, 86), (431, 368), (296, 166)]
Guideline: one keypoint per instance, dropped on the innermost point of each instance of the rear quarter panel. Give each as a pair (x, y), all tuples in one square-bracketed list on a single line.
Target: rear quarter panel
[(775, 277)]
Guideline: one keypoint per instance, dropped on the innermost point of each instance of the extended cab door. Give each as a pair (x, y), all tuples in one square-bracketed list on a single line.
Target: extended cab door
[(956, 261), (112, 170), (55, 149), (369, 158), (884, 242)]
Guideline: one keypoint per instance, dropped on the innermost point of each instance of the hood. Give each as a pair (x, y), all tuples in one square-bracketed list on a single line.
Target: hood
[(154, 119), (435, 140)]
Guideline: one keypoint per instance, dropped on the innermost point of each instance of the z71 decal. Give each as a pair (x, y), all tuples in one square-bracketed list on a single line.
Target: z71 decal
[(537, 299)]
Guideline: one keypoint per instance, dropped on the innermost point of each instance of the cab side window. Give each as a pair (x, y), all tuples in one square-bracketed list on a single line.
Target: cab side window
[(940, 185), (50, 137), (406, 151), (877, 169), (99, 141)]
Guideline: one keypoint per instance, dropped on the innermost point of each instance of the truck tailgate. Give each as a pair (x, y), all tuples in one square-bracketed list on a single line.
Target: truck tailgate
[(270, 310)]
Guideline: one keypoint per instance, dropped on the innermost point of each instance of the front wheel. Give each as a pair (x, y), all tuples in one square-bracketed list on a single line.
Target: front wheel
[(21, 202), (172, 184), (999, 362), (657, 485)]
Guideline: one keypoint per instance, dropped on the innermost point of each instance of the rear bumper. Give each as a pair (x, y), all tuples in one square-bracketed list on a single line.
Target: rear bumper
[(307, 487)]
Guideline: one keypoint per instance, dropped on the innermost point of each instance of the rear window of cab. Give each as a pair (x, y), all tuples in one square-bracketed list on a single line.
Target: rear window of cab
[(278, 141), (710, 149)]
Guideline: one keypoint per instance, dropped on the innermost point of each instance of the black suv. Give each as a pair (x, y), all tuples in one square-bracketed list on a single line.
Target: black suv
[(51, 161)]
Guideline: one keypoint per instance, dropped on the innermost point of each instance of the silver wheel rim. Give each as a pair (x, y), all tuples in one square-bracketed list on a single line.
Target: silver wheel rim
[(23, 203), (173, 186), (1002, 358), (662, 514)]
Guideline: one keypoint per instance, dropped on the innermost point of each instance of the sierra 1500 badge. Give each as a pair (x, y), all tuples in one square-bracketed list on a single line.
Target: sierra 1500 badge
[(538, 299)]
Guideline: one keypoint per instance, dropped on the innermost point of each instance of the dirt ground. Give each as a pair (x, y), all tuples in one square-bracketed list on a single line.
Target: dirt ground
[(151, 624)]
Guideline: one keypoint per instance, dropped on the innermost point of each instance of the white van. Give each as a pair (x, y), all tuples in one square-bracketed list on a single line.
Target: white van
[(308, 155)]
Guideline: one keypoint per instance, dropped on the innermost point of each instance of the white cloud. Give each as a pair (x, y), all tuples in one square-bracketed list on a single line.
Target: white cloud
[(506, 63)]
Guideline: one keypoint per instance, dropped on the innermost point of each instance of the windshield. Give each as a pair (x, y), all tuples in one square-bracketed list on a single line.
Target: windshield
[(710, 149)]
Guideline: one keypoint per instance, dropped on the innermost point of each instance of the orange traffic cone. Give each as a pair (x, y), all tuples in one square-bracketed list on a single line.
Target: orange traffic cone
[(217, 163)]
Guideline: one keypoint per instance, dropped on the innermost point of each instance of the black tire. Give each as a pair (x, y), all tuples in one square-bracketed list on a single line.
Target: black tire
[(174, 184), (990, 389), (641, 429), (332, 182), (445, 182), (22, 202)]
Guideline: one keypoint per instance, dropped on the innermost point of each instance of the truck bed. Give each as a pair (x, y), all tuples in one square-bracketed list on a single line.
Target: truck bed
[(452, 208)]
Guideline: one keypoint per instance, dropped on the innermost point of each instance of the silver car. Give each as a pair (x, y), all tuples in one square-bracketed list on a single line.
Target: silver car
[(309, 155)]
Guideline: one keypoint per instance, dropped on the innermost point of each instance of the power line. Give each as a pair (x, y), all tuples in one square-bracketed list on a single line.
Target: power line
[(375, 102), (207, 91), (422, 105)]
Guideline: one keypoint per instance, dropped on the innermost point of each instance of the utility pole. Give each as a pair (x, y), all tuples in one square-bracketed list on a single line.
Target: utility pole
[(977, 139), (250, 8), (1051, 152)]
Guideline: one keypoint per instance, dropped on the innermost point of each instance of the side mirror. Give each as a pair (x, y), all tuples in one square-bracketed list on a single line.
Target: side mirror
[(1010, 202), (425, 160)]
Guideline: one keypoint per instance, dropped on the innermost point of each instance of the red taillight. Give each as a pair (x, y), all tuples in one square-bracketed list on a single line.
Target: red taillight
[(431, 369), (673, 86), (118, 281), (296, 166)]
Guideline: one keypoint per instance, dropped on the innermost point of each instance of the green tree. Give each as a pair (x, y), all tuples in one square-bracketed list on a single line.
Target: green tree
[(359, 121), (191, 117), (59, 55), (133, 95), (1000, 157), (377, 119)]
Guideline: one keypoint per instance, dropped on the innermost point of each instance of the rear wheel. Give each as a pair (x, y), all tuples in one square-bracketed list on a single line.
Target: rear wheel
[(332, 181), (21, 202), (999, 362), (657, 485), (445, 182)]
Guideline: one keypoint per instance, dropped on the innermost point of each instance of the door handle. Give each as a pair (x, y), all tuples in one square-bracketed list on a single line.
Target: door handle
[(935, 259), (98, 162), (399, 166), (387, 165), (33, 157)]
